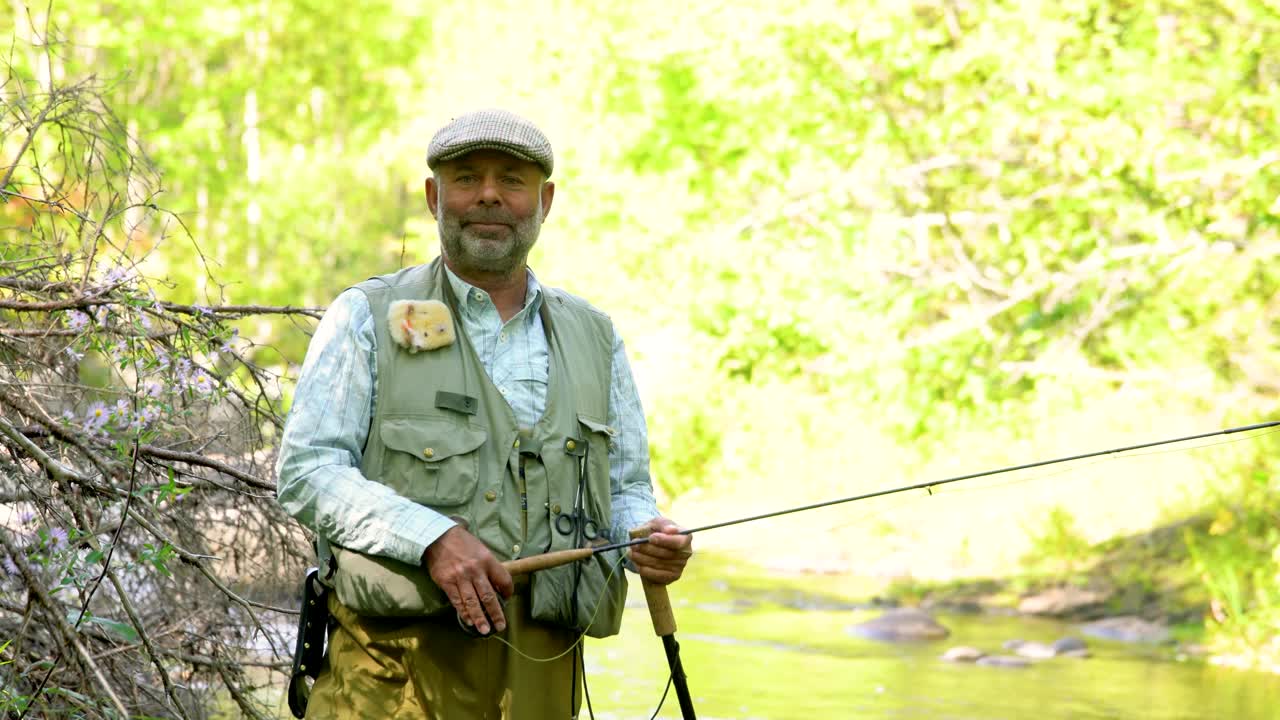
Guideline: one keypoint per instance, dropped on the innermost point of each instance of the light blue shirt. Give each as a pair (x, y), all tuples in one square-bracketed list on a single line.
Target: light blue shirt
[(320, 482)]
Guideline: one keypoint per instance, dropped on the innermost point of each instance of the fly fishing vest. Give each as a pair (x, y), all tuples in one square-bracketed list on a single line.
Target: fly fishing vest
[(442, 435)]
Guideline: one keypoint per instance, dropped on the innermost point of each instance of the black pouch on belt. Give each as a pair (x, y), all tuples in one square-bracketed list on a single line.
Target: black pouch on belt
[(308, 652)]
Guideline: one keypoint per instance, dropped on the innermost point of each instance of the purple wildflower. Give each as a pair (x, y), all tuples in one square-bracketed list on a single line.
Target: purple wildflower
[(97, 416), (226, 346), (117, 275), (75, 356), (203, 310), (76, 319), (26, 517), (57, 538), (100, 314), (202, 383), (162, 357), (10, 566), (153, 389), (149, 414)]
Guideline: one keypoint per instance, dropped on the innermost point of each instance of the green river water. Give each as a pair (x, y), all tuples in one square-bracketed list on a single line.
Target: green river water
[(779, 648)]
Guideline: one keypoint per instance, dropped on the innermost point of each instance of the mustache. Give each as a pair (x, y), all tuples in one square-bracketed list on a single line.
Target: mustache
[(488, 216)]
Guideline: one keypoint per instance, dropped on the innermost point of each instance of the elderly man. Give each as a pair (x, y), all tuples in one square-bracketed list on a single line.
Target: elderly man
[(456, 415)]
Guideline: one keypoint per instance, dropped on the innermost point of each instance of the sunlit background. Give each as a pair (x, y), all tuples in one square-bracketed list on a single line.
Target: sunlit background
[(850, 245)]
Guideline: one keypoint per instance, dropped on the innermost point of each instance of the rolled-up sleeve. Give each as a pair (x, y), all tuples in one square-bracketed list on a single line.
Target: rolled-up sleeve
[(318, 470), (630, 485)]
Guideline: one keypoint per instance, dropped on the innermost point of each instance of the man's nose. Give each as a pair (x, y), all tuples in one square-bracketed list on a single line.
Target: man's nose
[(489, 194)]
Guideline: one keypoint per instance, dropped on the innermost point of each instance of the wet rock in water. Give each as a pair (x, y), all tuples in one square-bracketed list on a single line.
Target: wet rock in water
[(963, 654), (1033, 650), (1009, 661), (958, 607), (1060, 601), (902, 624), (797, 600), (1070, 647), (1126, 628)]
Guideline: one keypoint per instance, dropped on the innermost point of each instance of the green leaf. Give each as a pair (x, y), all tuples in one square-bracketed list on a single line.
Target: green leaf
[(122, 630)]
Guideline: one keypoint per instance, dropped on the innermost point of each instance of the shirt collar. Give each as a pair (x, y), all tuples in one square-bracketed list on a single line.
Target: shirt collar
[(473, 300)]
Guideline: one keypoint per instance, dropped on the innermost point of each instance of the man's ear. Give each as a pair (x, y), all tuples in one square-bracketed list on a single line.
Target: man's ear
[(548, 194), (433, 196)]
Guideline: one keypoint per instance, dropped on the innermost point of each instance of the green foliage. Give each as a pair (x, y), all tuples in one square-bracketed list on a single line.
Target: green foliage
[(265, 123), (1236, 560), (1059, 546), (122, 630), (1007, 187), (683, 447)]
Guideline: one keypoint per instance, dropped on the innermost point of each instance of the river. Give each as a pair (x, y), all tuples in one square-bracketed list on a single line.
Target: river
[(753, 655)]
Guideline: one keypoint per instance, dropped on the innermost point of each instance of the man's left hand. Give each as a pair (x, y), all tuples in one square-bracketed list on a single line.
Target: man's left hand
[(662, 559)]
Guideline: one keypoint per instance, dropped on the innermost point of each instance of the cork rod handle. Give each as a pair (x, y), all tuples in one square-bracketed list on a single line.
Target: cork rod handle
[(525, 566), (664, 621)]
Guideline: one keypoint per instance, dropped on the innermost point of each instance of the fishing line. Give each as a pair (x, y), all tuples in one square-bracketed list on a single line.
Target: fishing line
[(978, 487), (662, 699), (1070, 465), (890, 504), (613, 571), (591, 713), (579, 642)]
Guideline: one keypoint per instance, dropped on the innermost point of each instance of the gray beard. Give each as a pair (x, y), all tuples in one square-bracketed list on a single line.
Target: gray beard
[(500, 253)]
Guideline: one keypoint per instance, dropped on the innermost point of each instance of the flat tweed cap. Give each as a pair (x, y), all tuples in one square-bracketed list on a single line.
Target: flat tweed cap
[(491, 130)]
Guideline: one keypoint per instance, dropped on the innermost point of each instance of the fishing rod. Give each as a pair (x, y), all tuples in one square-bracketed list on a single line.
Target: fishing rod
[(560, 557)]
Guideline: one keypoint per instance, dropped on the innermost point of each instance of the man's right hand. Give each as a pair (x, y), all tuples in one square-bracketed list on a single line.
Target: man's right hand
[(470, 576)]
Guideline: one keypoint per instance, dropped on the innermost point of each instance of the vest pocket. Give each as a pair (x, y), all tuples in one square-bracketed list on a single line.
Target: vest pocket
[(599, 438), (430, 459)]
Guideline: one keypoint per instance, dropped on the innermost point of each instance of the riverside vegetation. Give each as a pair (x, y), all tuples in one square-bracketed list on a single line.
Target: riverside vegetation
[(850, 245)]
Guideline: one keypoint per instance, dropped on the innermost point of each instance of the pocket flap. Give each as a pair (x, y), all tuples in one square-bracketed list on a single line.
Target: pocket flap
[(431, 439), (596, 426)]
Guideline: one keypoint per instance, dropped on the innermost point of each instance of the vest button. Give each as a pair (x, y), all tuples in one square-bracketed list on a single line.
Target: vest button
[(555, 509), (428, 453), (491, 496), (517, 444), (515, 549), (569, 444)]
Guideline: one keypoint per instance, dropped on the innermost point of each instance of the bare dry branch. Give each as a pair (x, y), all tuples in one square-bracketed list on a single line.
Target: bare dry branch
[(137, 509)]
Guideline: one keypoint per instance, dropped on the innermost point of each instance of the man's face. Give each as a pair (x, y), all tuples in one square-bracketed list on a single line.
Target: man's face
[(489, 208)]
